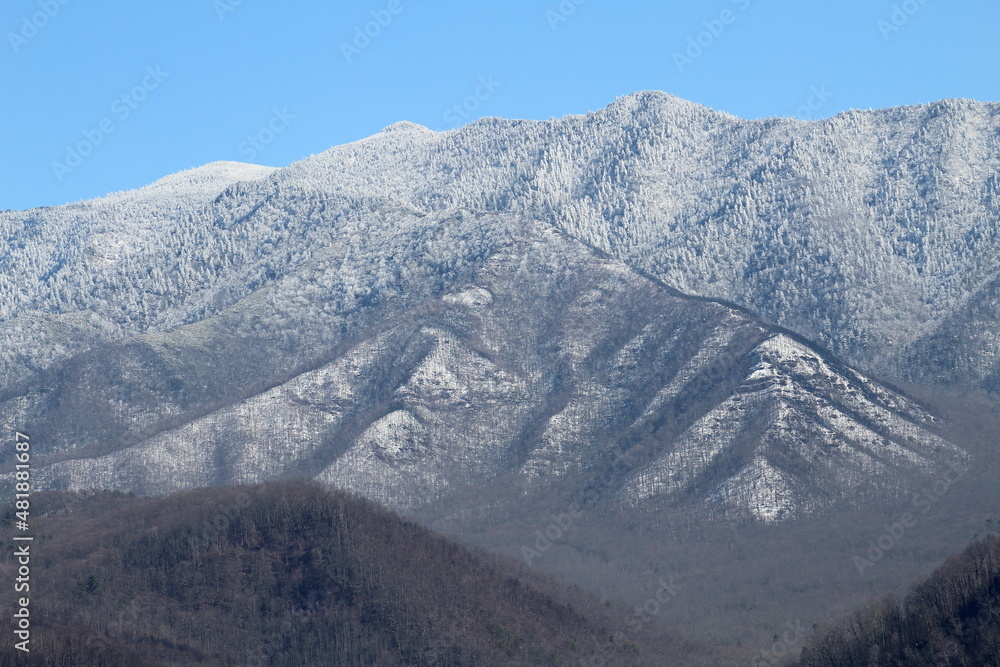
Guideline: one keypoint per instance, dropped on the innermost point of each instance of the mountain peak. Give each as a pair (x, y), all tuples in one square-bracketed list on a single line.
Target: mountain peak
[(646, 100), (405, 126), (208, 180)]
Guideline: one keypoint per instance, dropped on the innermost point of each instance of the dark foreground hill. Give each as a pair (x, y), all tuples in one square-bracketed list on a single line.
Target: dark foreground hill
[(285, 574), (951, 619)]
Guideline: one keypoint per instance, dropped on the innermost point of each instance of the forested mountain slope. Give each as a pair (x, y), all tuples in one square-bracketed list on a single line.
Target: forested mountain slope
[(863, 231), (867, 232), (655, 314), (76, 275), (952, 618), (288, 574), (417, 312), (491, 351)]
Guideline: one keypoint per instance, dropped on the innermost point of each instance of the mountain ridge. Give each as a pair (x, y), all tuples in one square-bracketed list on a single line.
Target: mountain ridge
[(190, 304), (411, 409)]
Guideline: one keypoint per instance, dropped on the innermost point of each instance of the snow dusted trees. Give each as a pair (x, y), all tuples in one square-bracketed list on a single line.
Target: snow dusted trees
[(862, 231)]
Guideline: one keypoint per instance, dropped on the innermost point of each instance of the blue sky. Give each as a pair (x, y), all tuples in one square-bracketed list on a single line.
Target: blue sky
[(103, 95)]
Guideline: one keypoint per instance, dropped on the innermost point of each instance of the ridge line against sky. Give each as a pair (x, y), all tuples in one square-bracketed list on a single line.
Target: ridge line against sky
[(109, 96)]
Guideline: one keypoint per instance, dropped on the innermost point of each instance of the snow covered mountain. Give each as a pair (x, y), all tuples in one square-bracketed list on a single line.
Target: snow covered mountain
[(418, 313), (863, 232), (497, 351), (867, 232)]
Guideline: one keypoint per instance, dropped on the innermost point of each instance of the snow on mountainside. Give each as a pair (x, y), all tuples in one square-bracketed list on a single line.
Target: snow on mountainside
[(865, 231), (501, 352), (962, 350), (195, 184), (74, 275), (417, 312), (862, 231)]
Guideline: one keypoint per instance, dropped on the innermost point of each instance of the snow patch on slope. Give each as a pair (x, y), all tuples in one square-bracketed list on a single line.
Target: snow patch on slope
[(201, 182), (473, 297)]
